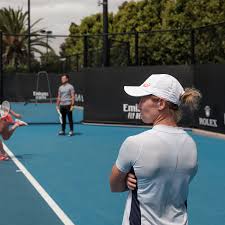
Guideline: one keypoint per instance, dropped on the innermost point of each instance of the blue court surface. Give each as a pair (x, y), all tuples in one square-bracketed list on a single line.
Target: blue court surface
[(75, 171)]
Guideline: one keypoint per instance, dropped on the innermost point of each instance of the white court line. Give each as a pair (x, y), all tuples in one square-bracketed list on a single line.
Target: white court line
[(52, 204)]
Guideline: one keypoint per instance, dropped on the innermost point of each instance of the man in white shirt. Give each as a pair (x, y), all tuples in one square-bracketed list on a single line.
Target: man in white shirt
[(65, 103)]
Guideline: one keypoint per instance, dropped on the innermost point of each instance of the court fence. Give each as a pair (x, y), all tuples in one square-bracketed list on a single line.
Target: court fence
[(70, 53)]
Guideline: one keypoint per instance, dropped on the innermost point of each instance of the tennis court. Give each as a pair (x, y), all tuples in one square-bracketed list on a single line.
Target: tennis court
[(108, 69), (74, 172)]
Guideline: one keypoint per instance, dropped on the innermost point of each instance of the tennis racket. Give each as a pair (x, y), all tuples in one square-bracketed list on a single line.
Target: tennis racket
[(60, 115), (4, 109)]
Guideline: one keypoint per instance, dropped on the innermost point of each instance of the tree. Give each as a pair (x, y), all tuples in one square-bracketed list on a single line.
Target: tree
[(15, 39), (51, 62), (170, 25), (190, 14), (89, 26)]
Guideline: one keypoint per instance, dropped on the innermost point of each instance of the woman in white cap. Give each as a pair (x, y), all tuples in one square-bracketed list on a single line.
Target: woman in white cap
[(159, 164)]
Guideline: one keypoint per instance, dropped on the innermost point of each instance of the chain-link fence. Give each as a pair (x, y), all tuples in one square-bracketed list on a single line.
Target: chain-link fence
[(68, 53)]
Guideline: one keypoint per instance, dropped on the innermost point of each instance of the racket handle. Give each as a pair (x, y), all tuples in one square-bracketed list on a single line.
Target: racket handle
[(71, 107)]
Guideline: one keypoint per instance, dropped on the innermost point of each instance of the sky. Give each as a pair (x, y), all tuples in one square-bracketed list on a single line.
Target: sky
[(58, 14)]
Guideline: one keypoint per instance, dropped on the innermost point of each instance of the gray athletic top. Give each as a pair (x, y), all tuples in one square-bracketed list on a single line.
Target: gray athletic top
[(65, 92), (164, 160)]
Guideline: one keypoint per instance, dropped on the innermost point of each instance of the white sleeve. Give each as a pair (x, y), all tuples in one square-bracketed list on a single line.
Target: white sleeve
[(72, 91), (128, 154), (59, 92)]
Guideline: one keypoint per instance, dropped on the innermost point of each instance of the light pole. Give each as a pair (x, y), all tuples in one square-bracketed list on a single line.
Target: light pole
[(106, 54), (47, 32), (29, 39)]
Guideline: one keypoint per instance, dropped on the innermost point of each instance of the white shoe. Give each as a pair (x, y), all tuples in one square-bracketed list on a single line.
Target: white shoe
[(71, 133), (20, 122), (61, 132)]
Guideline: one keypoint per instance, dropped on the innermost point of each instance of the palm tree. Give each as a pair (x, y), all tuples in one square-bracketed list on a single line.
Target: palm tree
[(15, 38)]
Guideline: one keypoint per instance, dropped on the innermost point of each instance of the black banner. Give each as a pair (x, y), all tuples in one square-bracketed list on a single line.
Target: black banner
[(23, 87), (210, 80), (106, 101)]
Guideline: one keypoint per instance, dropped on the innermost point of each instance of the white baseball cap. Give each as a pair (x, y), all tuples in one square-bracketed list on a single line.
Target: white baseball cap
[(163, 86)]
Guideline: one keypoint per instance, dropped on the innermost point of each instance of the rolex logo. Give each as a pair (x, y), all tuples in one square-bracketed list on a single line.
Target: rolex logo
[(207, 111)]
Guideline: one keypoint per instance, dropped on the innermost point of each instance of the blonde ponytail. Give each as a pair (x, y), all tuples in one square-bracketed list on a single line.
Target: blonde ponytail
[(191, 98)]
